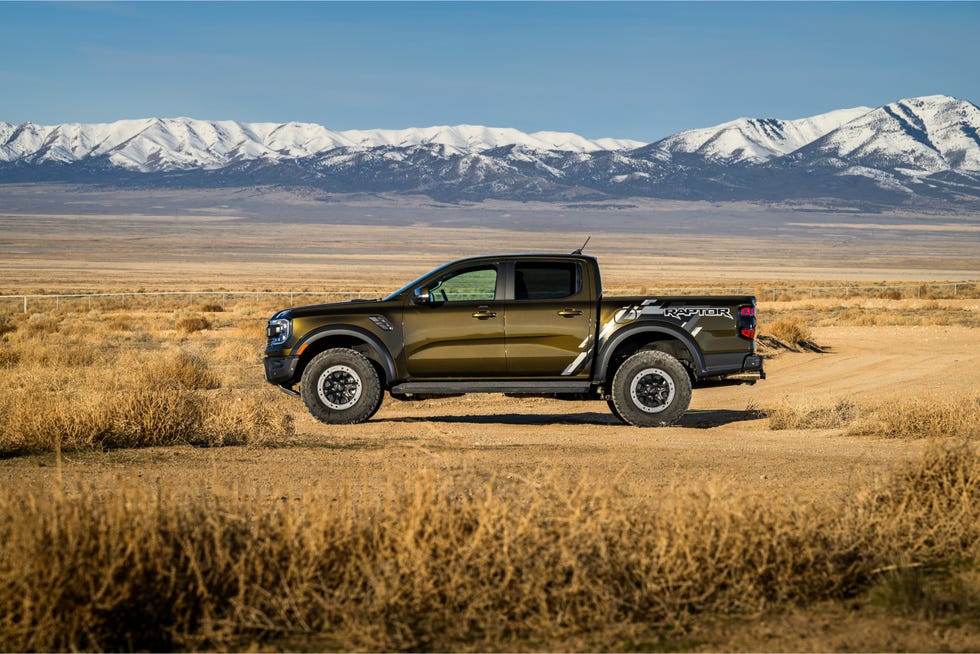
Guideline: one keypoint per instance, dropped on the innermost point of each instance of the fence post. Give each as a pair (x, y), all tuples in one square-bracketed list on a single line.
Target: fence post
[(25, 304)]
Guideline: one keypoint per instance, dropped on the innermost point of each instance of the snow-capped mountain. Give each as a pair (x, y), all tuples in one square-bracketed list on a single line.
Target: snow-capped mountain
[(920, 135), (923, 149), (755, 140), (165, 144)]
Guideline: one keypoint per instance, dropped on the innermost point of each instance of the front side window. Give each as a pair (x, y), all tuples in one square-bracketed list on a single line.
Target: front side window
[(467, 285), (546, 280)]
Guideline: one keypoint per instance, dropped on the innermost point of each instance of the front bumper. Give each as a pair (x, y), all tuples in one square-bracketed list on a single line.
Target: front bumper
[(281, 370)]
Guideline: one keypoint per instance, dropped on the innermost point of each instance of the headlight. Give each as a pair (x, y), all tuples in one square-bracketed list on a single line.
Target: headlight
[(278, 331)]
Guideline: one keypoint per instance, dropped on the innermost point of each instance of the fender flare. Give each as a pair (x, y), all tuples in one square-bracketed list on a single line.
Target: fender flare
[(607, 349), (369, 339)]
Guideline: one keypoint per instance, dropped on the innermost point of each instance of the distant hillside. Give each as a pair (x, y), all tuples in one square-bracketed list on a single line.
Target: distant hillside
[(915, 152)]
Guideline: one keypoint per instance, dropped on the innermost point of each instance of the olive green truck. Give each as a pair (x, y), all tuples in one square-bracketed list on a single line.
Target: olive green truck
[(535, 325)]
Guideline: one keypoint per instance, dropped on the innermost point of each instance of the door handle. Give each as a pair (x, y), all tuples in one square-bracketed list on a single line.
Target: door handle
[(483, 313), (569, 313)]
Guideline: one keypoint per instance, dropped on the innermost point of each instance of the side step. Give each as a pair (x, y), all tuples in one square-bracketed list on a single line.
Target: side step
[(517, 388)]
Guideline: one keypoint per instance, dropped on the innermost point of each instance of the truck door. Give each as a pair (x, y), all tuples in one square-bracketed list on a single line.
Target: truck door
[(549, 320), (459, 331)]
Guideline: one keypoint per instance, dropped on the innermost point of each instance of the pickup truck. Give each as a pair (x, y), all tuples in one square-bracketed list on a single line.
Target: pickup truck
[(515, 324)]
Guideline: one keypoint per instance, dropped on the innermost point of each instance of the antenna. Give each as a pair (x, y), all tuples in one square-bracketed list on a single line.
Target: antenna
[(579, 251)]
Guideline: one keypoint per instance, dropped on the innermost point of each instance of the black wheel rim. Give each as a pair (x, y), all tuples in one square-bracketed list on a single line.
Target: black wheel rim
[(339, 387), (652, 390)]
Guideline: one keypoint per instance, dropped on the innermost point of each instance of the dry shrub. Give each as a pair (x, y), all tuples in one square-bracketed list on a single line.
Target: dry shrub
[(9, 357), (141, 417), (7, 325), (191, 324), (66, 353), (211, 307), (120, 323), (42, 323), (787, 416), (173, 369), (252, 419), (957, 417), (513, 565), (790, 330), (887, 294), (145, 417)]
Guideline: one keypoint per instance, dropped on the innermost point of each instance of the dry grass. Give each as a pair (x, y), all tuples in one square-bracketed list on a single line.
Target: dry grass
[(435, 566), (191, 324), (922, 418), (928, 417), (868, 311), (790, 330), (786, 416), (82, 381)]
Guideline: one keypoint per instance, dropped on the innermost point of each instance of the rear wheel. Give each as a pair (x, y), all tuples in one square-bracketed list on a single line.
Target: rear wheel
[(341, 386), (650, 389)]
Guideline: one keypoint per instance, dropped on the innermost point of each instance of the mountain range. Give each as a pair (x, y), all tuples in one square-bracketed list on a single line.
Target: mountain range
[(915, 151)]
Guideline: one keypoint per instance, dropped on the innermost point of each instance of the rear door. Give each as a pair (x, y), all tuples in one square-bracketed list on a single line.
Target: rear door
[(550, 319)]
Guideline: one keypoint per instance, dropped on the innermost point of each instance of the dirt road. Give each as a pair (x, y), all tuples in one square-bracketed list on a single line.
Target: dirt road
[(720, 445)]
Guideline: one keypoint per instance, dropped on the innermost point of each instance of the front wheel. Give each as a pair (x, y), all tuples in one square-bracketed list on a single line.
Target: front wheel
[(341, 386), (650, 389)]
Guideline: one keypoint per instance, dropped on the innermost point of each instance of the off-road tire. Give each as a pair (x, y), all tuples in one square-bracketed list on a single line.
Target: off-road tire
[(650, 389), (341, 386)]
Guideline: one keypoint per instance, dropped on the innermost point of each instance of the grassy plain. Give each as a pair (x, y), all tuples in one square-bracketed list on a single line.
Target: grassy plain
[(151, 478)]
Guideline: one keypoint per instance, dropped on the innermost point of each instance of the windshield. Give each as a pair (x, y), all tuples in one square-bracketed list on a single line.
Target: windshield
[(415, 282)]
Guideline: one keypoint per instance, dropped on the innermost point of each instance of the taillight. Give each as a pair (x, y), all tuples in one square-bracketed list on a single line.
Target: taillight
[(746, 322)]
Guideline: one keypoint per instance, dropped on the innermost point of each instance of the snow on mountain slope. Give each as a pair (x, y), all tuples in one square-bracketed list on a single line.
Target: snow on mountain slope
[(155, 144), (917, 148), (921, 135), (756, 139)]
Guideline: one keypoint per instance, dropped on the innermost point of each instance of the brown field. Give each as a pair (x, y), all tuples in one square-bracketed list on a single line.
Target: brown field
[(151, 478)]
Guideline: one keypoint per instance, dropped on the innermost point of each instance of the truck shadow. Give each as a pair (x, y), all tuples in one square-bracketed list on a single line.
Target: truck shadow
[(700, 419)]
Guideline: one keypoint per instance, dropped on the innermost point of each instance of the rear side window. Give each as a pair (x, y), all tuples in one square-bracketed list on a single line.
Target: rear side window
[(546, 280)]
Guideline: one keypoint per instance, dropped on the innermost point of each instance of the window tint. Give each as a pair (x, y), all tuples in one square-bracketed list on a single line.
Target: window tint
[(469, 284), (544, 281)]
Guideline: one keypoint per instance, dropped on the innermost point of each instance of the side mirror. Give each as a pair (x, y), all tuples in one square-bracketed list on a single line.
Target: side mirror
[(422, 295)]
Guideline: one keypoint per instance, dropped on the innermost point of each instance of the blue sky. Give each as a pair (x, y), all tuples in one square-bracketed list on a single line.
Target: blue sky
[(627, 70)]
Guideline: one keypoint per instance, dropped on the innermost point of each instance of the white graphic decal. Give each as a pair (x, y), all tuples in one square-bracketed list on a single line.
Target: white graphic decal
[(707, 312)]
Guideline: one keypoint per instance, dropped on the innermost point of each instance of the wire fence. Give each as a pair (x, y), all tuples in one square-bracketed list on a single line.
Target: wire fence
[(171, 299), (212, 300)]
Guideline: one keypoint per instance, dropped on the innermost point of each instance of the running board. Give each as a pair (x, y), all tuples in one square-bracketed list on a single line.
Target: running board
[(519, 388)]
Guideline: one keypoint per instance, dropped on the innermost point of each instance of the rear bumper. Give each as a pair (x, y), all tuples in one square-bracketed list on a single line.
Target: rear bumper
[(748, 370), (753, 366)]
